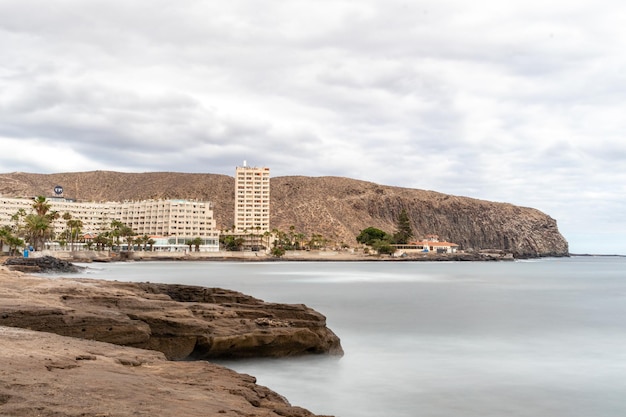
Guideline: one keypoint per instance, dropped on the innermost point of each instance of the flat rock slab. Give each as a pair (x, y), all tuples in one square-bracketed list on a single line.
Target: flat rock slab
[(183, 322), (43, 374)]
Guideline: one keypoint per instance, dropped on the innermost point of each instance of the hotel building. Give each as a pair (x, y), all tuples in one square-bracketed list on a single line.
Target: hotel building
[(169, 222), (252, 200)]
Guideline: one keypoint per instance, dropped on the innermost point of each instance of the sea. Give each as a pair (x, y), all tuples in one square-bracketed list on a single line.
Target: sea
[(533, 338)]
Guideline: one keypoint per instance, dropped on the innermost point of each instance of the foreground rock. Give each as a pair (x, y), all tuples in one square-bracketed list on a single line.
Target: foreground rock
[(47, 374), (43, 374), (183, 322)]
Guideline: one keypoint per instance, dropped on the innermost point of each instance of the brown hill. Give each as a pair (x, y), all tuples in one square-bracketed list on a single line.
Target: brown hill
[(338, 208)]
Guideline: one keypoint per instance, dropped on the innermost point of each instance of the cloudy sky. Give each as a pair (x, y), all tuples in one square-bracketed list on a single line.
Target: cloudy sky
[(521, 101)]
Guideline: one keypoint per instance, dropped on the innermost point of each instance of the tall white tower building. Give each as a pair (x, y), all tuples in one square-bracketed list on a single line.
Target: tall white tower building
[(252, 199)]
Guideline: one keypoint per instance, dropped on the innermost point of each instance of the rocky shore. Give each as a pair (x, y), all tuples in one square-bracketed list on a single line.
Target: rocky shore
[(80, 347), (40, 264)]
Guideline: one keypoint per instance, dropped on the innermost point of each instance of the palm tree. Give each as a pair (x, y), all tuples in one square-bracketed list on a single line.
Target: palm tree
[(292, 233), (67, 217), (41, 205), (281, 238), (16, 218), (196, 241), (14, 242), (143, 240), (129, 235), (257, 238), (116, 231), (299, 238), (37, 229), (38, 226), (231, 242), (267, 235), (318, 241), (5, 234), (103, 240), (74, 229)]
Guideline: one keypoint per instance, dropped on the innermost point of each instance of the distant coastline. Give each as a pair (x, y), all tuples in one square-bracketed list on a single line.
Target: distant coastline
[(30, 264)]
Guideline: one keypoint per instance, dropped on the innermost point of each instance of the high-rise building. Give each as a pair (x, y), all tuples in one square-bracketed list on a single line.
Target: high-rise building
[(252, 199)]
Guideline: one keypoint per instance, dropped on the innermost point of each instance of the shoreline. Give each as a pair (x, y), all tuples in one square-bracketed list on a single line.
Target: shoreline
[(290, 256)]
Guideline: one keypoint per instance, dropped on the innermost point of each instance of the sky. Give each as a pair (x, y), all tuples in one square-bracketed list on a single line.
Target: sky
[(519, 101)]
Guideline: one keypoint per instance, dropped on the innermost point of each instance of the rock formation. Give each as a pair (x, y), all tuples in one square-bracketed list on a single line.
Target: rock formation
[(183, 322), (40, 264), (43, 374), (337, 208)]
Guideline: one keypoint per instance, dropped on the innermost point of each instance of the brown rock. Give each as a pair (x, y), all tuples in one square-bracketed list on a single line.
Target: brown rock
[(183, 322), (43, 374), (46, 374)]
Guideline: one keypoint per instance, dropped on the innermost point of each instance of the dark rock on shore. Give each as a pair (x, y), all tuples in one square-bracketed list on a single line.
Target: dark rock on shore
[(40, 264)]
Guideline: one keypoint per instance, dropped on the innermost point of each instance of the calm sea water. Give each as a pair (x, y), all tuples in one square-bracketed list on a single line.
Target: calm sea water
[(527, 338)]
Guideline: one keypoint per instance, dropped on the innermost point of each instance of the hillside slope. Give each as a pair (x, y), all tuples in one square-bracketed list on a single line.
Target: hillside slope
[(337, 208)]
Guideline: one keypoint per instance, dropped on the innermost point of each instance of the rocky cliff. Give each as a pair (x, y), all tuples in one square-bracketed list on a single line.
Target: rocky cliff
[(338, 208)]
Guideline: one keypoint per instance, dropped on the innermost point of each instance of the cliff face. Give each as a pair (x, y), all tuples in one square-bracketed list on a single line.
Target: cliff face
[(337, 208), (344, 207)]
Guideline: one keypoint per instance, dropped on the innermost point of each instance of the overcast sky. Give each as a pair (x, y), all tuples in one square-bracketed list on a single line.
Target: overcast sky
[(521, 101)]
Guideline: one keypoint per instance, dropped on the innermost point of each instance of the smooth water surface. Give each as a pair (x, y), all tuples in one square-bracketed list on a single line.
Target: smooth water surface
[(526, 338)]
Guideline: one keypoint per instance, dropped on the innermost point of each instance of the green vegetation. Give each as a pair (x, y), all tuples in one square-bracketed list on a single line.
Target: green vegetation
[(276, 242), (371, 234), (382, 242), (404, 232), (196, 242), (231, 242), (103, 241), (383, 247), (144, 241), (317, 241), (73, 230), (277, 251), (9, 238), (37, 227)]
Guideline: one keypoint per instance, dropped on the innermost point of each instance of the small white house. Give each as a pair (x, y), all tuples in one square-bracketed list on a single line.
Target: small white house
[(430, 244)]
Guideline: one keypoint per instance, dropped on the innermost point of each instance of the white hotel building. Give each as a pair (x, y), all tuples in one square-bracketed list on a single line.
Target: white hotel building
[(252, 199), (169, 222)]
